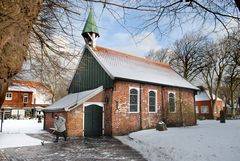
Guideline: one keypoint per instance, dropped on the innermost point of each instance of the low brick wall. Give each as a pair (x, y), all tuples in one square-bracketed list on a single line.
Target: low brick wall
[(74, 118), (49, 119)]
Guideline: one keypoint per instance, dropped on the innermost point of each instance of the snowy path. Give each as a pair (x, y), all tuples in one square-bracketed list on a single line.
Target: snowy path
[(14, 133), (209, 141)]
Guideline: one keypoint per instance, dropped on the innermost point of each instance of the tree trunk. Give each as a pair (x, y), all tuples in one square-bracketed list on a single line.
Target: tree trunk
[(231, 94), (16, 20), (213, 107), (214, 102), (232, 99)]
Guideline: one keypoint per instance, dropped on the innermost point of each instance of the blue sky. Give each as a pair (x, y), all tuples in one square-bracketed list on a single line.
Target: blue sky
[(113, 35)]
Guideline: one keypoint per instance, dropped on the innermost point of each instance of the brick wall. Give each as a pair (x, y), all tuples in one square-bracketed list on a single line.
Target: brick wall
[(17, 100), (189, 116), (49, 119), (124, 122), (219, 106), (108, 112), (75, 122), (74, 118), (117, 118)]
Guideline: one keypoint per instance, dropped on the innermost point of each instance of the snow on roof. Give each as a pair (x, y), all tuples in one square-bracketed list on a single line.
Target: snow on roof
[(8, 107), (38, 108), (72, 100), (30, 84), (205, 96), (124, 66), (19, 88)]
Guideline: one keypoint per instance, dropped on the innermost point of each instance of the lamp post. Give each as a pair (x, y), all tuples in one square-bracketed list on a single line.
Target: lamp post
[(2, 113)]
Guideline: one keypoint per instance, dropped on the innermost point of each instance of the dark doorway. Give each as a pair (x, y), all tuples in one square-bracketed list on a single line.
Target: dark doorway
[(93, 121)]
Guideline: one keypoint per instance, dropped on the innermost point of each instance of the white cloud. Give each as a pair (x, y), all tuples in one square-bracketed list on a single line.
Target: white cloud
[(138, 45)]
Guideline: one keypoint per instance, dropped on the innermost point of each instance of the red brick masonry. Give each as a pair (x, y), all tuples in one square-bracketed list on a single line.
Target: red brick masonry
[(117, 118)]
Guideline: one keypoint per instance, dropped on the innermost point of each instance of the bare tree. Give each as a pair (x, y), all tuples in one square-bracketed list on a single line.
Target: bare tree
[(217, 60), (161, 55), (163, 16), (187, 55), (231, 80), (28, 29), (17, 19), (52, 73)]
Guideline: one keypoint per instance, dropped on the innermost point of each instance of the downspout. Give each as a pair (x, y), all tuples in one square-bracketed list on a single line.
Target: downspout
[(140, 107)]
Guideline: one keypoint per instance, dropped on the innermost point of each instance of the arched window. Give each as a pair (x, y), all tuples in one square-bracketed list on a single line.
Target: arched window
[(171, 102), (152, 101), (134, 100)]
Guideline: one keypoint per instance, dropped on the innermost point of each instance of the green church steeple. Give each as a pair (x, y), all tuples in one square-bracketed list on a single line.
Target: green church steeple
[(90, 30)]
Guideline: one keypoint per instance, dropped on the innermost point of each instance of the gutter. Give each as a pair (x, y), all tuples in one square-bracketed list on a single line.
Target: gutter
[(152, 83)]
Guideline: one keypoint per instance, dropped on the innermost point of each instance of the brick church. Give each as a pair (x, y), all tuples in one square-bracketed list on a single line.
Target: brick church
[(114, 93)]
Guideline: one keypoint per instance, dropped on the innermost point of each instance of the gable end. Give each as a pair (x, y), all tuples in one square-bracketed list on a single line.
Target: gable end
[(89, 75)]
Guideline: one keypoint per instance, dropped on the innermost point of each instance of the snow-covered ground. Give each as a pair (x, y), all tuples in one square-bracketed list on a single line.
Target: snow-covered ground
[(208, 141), (14, 133)]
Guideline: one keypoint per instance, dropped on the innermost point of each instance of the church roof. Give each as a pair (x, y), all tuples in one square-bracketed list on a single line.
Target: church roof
[(73, 100), (124, 66), (90, 25)]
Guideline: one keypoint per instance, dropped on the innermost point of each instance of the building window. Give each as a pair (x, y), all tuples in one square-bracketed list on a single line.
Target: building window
[(196, 108), (8, 96), (152, 101), (204, 109), (25, 98), (134, 99), (171, 102)]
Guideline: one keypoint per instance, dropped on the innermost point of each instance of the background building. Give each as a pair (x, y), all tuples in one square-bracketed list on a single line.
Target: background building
[(204, 107), (24, 98)]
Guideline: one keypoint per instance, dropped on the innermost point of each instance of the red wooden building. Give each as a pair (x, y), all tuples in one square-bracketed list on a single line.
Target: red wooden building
[(203, 105), (23, 96)]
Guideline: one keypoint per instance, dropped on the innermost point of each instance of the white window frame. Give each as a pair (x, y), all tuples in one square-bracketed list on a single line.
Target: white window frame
[(9, 98), (138, 99), (204, 112), (156, 100), (24, 96), (174, 93)]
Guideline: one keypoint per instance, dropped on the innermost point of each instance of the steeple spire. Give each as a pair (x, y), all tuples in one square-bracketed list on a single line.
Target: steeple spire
[(90, 30)]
